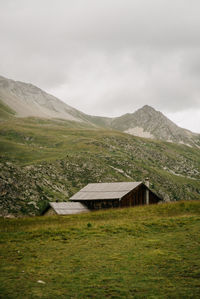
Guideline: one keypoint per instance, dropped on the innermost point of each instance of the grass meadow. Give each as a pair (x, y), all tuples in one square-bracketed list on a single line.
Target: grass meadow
[(141, 252)]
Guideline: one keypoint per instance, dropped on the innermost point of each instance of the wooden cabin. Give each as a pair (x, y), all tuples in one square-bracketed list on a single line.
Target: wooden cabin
[(112, 195)]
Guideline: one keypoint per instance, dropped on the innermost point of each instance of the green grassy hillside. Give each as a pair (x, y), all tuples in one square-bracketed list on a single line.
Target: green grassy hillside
[(44, 160), (5, 111), (140, 252)]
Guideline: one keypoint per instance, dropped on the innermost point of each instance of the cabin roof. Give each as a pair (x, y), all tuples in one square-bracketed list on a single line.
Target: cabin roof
[(68, 208), (99, 191)]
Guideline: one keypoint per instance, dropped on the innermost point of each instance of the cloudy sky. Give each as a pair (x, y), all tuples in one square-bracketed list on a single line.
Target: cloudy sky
[(107, 57)]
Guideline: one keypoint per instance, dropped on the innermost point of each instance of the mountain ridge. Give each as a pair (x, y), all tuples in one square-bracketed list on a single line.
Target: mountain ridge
[(27, 100)]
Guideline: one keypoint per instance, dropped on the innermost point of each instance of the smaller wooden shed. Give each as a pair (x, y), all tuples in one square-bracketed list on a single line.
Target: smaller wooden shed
[(66, 208)]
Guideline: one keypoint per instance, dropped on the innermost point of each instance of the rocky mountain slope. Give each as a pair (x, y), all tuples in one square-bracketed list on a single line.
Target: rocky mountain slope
[(45, 160), (149, 123), (25, 100), (28, 100)]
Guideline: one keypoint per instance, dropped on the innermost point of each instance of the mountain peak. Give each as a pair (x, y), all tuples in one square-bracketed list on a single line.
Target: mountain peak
[(150, 123), (147, 107)]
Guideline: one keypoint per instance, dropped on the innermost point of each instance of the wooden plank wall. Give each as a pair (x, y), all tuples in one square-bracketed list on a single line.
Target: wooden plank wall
[(138, 197)]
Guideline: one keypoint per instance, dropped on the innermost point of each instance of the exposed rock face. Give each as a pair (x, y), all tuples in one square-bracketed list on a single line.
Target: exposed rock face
[(137, 131)]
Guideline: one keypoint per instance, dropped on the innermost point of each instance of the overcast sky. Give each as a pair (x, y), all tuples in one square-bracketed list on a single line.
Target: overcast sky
[(107, 57)]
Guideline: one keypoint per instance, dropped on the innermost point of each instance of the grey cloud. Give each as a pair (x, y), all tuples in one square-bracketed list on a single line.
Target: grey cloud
[(105, 57)]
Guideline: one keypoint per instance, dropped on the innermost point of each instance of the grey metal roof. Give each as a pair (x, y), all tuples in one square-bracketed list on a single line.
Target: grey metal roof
[(68, 208), (105, 191)]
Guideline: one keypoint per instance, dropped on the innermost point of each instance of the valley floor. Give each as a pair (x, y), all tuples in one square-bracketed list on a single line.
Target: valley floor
[(141, 252)]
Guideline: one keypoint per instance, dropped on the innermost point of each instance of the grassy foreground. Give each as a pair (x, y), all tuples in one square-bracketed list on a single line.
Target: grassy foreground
[(141, 252)]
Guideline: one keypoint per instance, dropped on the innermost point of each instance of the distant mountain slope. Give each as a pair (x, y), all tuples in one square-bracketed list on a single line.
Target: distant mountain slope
[(24, 100), (149, 123), (29, 100)]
